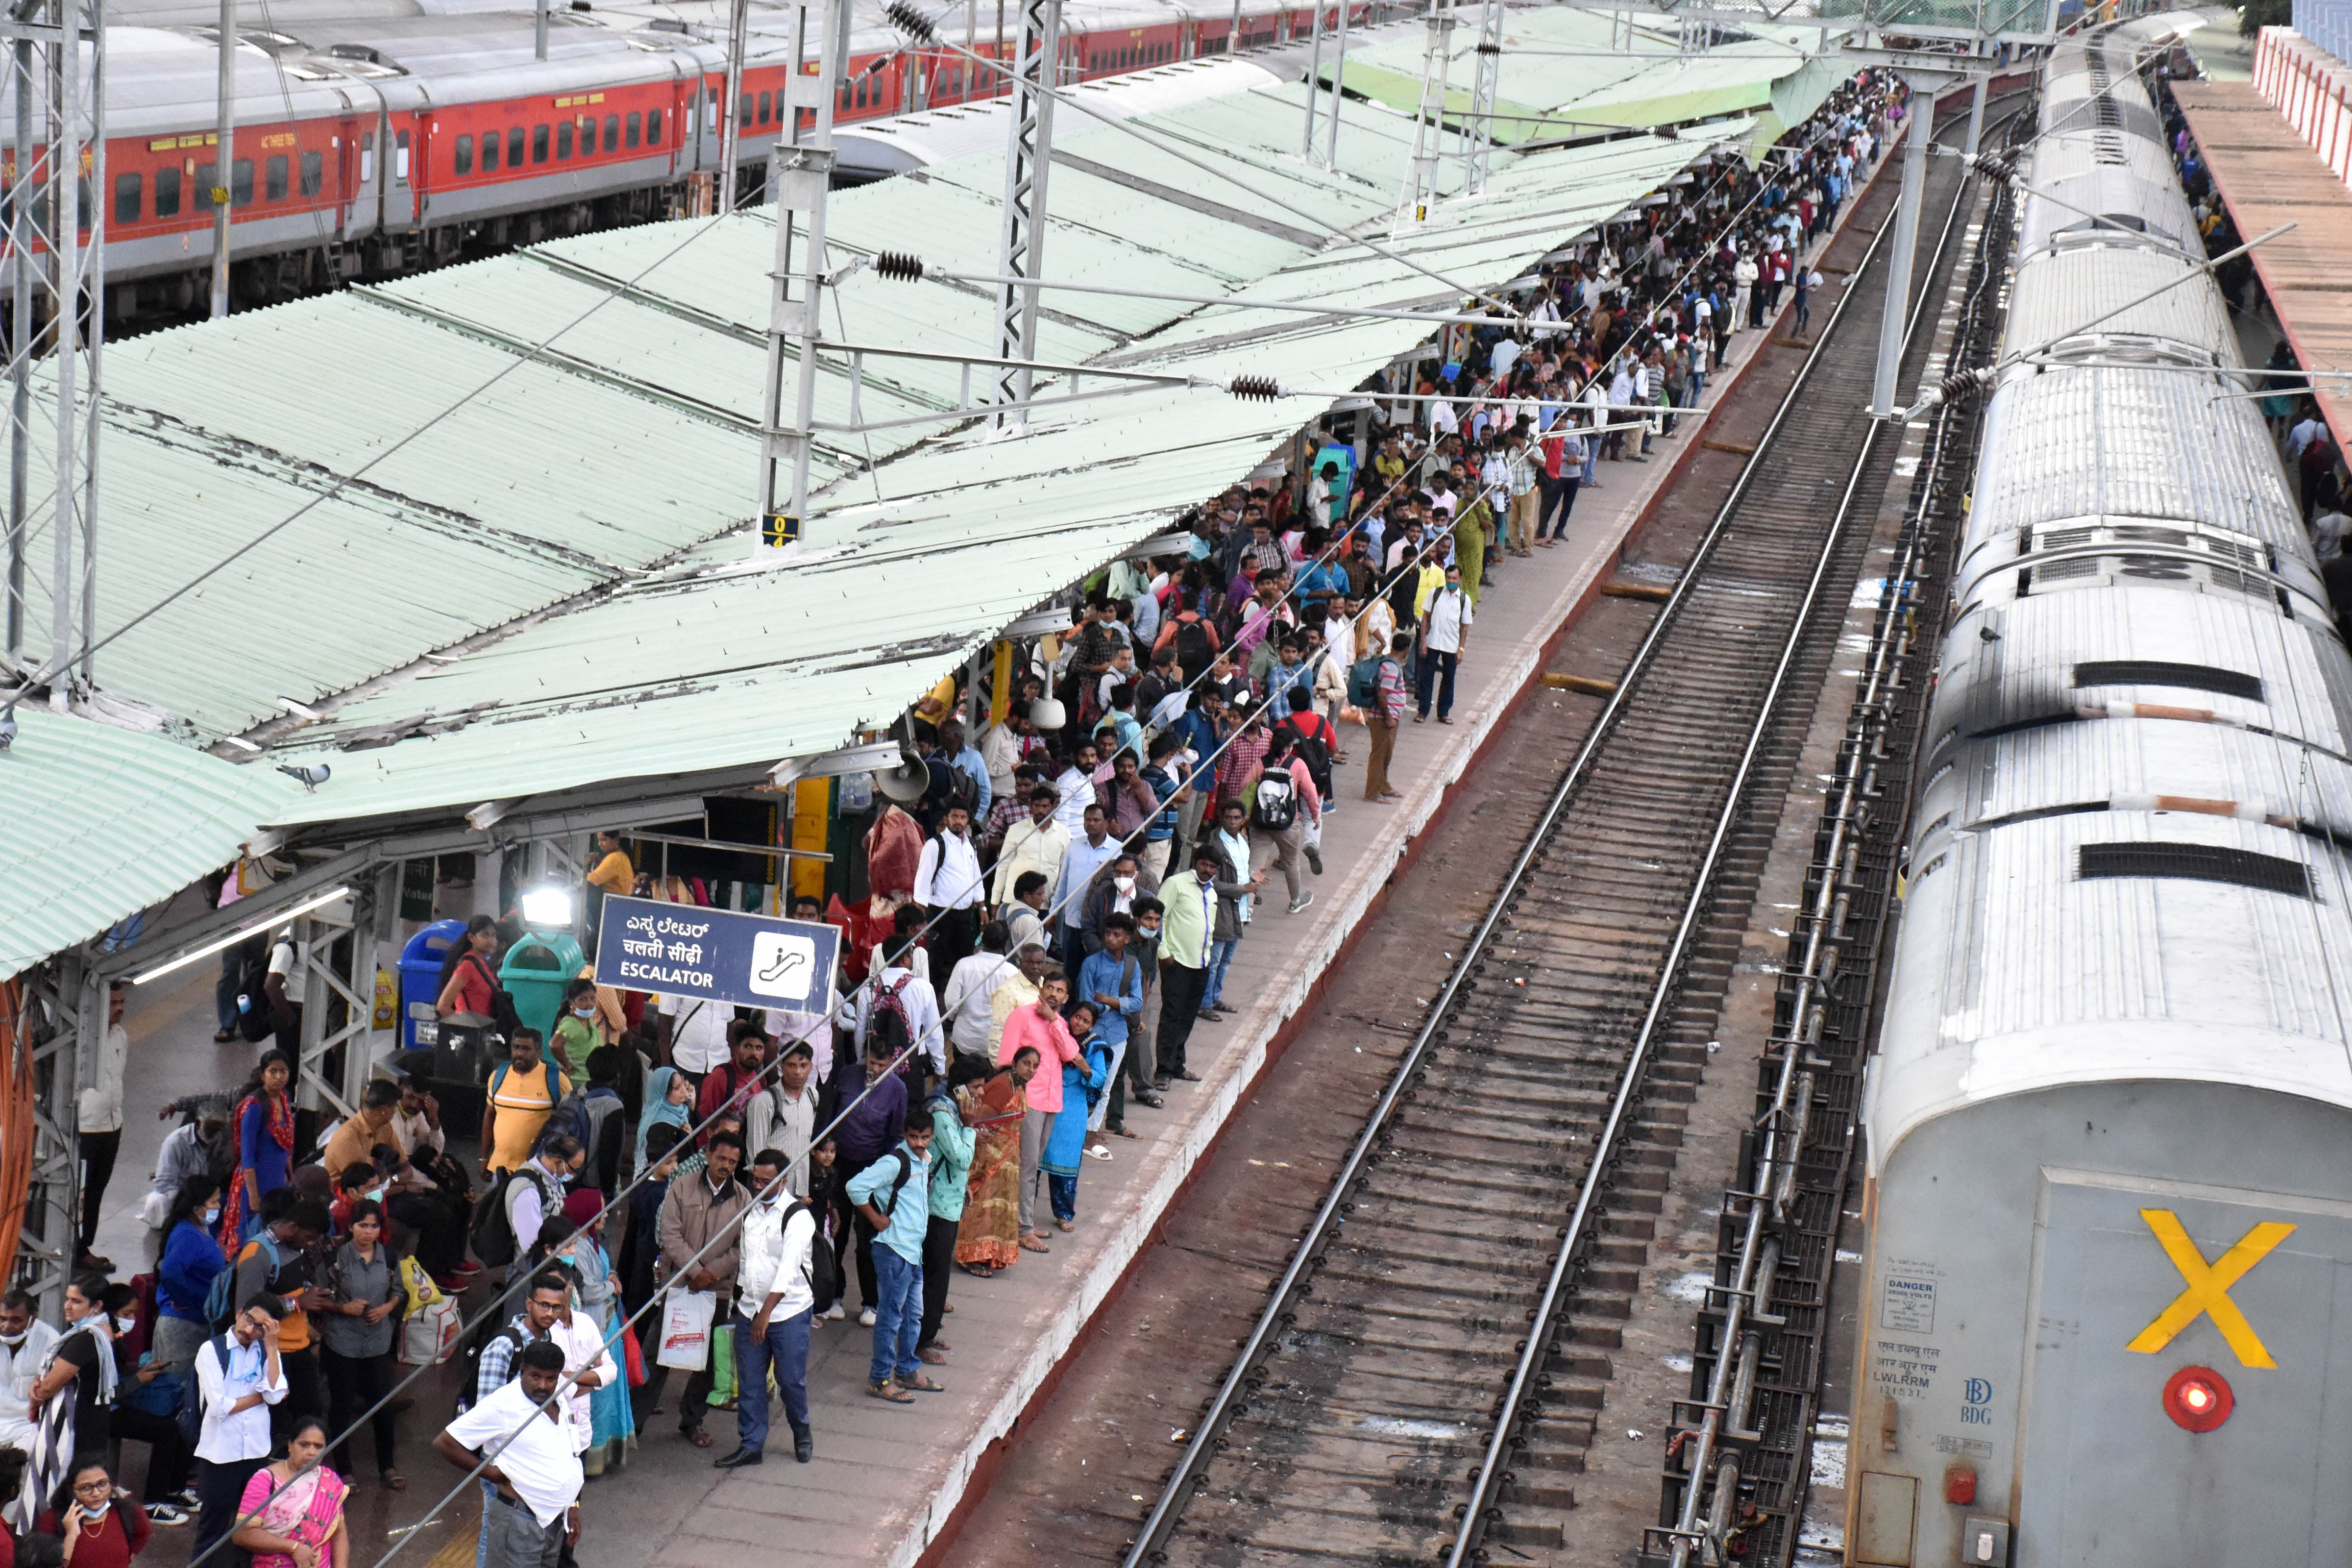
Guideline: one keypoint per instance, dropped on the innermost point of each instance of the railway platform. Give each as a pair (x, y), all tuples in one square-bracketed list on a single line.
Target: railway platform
[(2268, 175), (889, 1483)]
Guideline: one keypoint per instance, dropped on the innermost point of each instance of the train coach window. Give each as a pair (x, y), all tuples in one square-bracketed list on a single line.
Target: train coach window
[(514, 146), (766, 100), (127, 195), (206, 178), (400, 157), (273, 178), (611, 134), (653, 127), (314, 172), (489, 151), (240, 183), (562, 140), (167, 193), (539, 144), (461, 156), (743, 113), (634, 132)]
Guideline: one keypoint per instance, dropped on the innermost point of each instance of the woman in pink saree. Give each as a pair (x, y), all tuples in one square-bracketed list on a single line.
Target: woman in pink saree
[(291, 1515)]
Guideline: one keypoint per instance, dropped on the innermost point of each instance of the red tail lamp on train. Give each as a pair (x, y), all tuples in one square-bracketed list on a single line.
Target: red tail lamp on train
[(2199, 1399)]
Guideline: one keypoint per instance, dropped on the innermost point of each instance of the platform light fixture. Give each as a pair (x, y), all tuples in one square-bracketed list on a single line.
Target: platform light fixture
[(546, 907), (205, 950)]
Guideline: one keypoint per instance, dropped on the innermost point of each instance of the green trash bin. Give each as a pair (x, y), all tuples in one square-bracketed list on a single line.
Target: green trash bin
[(536, 970)]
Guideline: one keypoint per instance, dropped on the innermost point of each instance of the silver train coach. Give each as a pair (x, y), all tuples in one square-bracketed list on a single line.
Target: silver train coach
[(2109, 1122)]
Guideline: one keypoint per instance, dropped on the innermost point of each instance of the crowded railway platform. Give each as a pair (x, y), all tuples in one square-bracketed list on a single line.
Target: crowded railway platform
[(1081, 753)]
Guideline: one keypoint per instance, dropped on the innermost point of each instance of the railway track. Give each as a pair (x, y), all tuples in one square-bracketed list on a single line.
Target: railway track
[(1426, 1377)]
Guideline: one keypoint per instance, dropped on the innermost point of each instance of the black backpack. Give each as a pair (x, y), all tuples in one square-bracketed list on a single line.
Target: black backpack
[(1312, 751), (905, 1172), (469, 1364), (823, 1272), (1194, 651), (1278, 802), (492, 1237), (256, 1017)]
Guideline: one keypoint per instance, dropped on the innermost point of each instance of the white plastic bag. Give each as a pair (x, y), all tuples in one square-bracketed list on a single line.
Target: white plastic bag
[(685, 1329), (429, 1333)]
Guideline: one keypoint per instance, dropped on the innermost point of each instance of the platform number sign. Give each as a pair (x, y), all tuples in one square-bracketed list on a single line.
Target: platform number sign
[(778, 529)]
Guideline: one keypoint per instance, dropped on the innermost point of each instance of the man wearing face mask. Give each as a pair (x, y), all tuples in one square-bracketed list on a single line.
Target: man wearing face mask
[(25, 1345), (1111, 892)]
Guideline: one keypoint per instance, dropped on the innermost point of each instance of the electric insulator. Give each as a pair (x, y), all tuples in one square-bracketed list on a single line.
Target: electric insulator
[(902, 15), (898, 267)]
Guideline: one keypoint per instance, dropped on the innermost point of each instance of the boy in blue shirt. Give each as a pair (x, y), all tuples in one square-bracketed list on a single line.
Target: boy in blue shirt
[(893, 1195)]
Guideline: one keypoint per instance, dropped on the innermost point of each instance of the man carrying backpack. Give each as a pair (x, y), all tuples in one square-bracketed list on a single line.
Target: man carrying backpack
[(239, 1378), (277, 1261), (892, 1196), (772, 1317), (1285, 815)]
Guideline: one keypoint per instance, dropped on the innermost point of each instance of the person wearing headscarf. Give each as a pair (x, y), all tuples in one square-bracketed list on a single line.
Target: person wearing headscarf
[(612, 1430), (669, 1101)]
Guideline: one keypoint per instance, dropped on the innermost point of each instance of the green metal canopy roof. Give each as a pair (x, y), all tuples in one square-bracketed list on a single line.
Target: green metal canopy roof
[(102, 821), (1594, 82), (538, 576)]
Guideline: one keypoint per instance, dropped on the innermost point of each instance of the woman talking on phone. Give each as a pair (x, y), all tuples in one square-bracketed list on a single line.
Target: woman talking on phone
[(101, 1526)]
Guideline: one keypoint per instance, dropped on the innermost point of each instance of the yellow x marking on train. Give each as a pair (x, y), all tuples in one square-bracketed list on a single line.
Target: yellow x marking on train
[(2208, 1294)]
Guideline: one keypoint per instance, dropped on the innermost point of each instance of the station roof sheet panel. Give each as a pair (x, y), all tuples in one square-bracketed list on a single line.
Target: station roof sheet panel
[(102, 821)]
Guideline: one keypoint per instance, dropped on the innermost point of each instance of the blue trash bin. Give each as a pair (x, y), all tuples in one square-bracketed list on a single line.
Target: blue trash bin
[(420, 980)]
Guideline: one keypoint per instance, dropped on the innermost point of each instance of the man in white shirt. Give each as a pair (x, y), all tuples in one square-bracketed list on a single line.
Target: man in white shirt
[(694, 1032), (1445, 631), (771, 1313), (289, 969), (1073, 787), (1087, 855), (1036, 844), (238, 1377), (973, 982), (99, 1111), (949, 884), (24, 1344), (587, 1366), (533, 1509)]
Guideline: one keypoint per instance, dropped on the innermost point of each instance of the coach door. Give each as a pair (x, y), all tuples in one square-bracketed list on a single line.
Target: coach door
[(2186, 1401)]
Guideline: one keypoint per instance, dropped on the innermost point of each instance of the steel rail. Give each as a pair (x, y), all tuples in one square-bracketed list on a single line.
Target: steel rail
[(1253, 1349), (1488, 1477), (1780, 1145)]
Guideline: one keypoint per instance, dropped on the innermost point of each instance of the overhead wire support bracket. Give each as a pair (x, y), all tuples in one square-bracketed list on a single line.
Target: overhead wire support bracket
[(1021, 247), (804, 175)]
